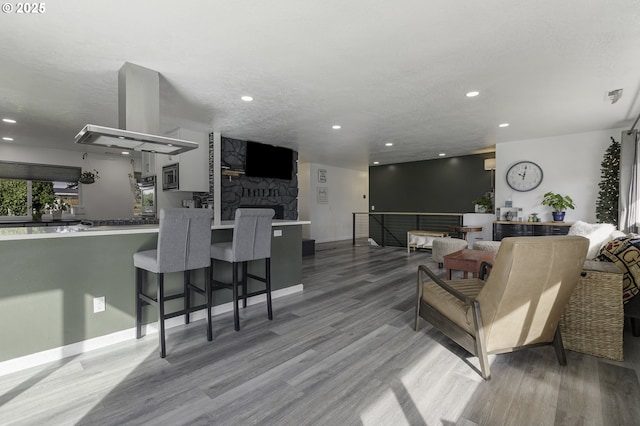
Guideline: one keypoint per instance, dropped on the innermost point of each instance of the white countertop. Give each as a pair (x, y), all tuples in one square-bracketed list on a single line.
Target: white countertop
[(39, 232)]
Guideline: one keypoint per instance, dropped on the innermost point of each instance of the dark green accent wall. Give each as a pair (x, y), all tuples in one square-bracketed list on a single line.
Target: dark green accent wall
[(447, 185)]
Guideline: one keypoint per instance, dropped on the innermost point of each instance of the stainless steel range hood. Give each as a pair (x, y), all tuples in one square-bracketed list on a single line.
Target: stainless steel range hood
[(138, 117), (133, 141)]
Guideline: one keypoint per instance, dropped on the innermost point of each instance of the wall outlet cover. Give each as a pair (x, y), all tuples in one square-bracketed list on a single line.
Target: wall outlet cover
[(99, 304), (277, 232)]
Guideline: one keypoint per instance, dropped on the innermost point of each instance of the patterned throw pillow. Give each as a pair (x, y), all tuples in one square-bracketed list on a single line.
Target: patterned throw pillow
[(625, 253)]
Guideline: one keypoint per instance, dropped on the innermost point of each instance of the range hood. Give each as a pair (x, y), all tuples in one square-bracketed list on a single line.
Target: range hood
[(132, 141), (138, 117)]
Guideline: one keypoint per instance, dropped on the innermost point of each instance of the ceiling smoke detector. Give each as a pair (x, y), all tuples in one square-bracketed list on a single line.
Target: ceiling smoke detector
[(614, 95)]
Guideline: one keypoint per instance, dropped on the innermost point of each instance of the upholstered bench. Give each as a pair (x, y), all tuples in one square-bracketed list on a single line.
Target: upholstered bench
[(487, 246), (444, 246), (422, 239)]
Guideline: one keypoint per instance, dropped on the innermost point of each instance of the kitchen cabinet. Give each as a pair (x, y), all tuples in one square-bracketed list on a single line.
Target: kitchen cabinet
[(502, 229), (193, 165)]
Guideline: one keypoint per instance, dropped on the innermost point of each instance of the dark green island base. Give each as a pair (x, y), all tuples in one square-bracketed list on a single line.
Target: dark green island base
[(49, 282)]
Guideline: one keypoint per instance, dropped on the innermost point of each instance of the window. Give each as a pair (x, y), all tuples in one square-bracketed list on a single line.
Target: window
[(18, 198), (25, 187)]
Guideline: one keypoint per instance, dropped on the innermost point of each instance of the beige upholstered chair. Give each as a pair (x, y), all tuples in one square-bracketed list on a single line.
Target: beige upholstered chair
[(444, 246), (518, 306)]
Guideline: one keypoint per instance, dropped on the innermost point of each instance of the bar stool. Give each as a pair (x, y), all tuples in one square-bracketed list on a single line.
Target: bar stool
[(184, 241), (251, 241)]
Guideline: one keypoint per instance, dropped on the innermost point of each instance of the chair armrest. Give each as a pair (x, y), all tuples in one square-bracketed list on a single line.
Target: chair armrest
[(442, 284)]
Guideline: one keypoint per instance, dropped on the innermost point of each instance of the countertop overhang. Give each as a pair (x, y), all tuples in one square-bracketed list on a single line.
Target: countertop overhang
[(39, 232)]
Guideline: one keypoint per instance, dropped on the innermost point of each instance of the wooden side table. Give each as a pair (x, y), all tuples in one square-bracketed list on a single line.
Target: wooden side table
[(463, 230), (466, 260)]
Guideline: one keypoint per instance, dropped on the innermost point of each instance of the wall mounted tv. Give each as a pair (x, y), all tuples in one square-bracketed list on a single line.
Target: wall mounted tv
[(268, 161)]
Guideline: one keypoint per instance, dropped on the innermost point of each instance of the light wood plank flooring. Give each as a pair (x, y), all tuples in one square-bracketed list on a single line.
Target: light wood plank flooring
[(343, 352)]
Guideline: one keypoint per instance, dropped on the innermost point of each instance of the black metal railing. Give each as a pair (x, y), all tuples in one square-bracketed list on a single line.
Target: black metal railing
[(390, 228)]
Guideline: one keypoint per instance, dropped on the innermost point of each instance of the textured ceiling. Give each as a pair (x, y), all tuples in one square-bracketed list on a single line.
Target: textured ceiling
[(386, 71)]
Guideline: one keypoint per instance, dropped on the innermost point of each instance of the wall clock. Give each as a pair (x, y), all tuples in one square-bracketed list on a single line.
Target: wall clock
[(524, 176)]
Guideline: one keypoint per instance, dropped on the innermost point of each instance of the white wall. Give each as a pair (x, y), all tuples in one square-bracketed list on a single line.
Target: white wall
[(304, 197), (110, 197), (347, 192), (571, 166)]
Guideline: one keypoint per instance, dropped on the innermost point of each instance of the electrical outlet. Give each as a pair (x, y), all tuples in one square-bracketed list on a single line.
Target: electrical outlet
[(99, 304), (373, 208), (277, 232)]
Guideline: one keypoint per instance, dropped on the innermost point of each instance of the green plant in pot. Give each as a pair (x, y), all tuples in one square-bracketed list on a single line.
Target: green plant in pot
[(88, 177), (57, 208), (485, 204), (559, 203), (39, 201)]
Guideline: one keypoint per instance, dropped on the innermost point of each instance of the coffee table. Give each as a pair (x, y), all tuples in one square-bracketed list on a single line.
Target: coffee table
[(466, 260)]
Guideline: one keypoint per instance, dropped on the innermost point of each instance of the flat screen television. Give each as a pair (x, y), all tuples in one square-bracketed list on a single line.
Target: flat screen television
[(268, 161)]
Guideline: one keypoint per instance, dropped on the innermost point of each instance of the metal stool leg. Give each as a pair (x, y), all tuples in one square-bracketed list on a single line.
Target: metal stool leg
[(267, 263), (139, 273), (163, 350), (244, 284), (236, 311), (187, 297), (209, 297)]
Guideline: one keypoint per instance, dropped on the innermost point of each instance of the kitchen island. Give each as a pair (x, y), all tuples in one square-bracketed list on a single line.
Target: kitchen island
[(51, 275)]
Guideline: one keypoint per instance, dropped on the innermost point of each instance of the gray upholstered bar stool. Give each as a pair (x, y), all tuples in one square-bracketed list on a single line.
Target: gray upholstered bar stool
[(184, 241), (251, 241)]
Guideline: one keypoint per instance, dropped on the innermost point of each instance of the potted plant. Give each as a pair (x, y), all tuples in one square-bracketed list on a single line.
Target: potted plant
[(559, 203), (88, 177), (57, 208), (38, 203), (484, 204)]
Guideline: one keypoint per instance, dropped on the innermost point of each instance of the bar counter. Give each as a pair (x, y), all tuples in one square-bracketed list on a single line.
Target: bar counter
[(50, 276)]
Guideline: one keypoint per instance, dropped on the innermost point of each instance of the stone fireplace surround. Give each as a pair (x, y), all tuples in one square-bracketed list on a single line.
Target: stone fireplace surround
[(245, 191)]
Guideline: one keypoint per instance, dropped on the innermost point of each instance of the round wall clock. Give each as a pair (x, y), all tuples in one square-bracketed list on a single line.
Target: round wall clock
[(524, 176)]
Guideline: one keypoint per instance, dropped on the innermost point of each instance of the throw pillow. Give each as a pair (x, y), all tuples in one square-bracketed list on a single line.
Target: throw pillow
[(625, 253), (597, 233)]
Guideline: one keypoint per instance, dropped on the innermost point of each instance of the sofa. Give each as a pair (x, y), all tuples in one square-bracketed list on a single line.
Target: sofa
[(606, 244), (593, 320)]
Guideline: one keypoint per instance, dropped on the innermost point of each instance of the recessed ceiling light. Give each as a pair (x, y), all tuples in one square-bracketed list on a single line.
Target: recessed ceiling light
[(247, 98), (503, 125), (336, 127), (472, 94), (7, 139), (125, 152), (9, 120), (376, 162), (442, 154), (388, 144)]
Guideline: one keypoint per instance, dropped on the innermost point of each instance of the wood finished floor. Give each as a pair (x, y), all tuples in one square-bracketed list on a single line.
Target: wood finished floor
[(343, 352)]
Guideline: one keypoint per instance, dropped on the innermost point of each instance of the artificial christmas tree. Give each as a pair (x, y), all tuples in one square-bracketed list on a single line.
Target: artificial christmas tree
[(607, 202)]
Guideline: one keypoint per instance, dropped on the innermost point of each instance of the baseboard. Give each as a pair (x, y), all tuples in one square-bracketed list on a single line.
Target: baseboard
[(56, 354)]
